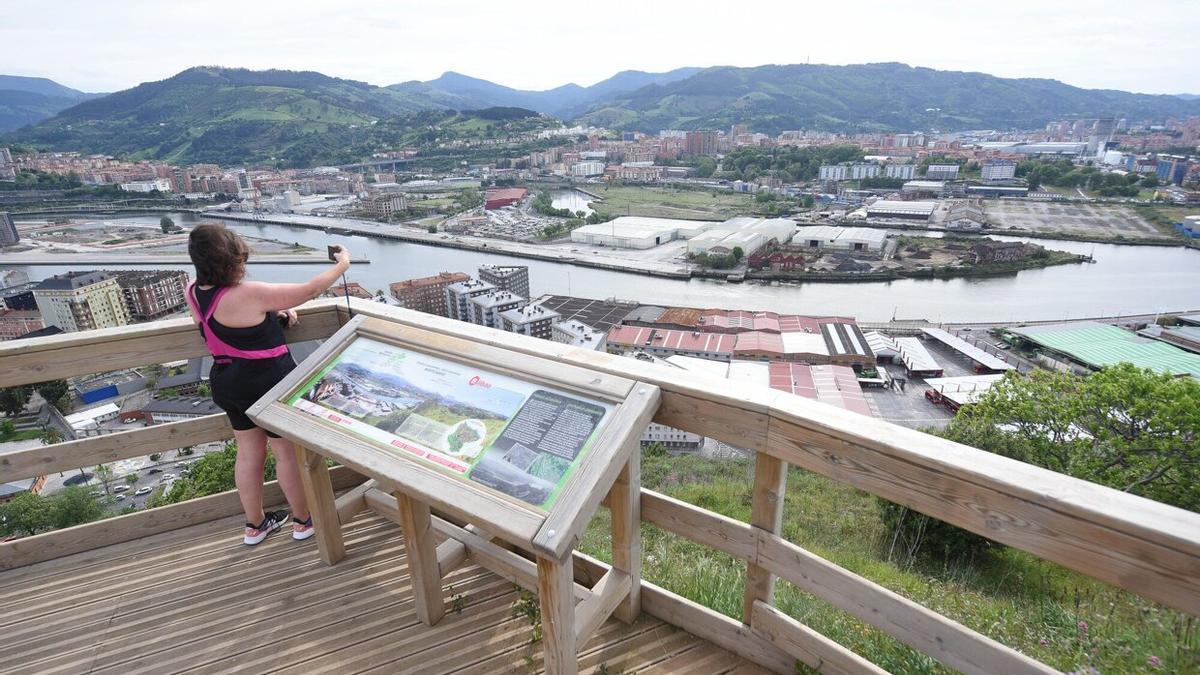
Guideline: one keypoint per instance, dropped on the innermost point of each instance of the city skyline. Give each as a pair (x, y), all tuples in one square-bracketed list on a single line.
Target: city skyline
[(511, 48)]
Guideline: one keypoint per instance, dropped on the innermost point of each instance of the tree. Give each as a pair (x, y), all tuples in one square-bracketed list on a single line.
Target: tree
[(1134, 430), (131, 478), (24, 515), (50, 435), (73, 506), (1150, 182), (204, 390), (166, 224), (7, 429), (155, 456), (807, 201), (13, 399), (104, 474), (211, 474), (56, 393), (738, 253)]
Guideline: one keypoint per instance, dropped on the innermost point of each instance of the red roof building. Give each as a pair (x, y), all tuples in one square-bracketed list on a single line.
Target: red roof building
[(501, 197), (835, 385)]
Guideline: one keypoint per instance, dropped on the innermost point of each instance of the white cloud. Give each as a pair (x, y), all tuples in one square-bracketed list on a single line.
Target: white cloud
[(105, 46)]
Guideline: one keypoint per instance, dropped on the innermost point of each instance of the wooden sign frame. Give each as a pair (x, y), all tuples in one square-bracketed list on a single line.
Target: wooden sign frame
[(408, 488)]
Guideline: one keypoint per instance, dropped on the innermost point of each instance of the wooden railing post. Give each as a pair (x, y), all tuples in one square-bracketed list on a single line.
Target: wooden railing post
[(624, 501), (766, 513)]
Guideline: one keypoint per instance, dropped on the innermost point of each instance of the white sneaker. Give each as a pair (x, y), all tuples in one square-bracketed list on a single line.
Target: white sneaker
[(302, 529), (256, 533)]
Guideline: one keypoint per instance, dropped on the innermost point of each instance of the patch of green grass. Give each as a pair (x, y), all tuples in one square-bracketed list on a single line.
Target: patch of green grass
[(662, 202), (1050, 613), (23, 435)]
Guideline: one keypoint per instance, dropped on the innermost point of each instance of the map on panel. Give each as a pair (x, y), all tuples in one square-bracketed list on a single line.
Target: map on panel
[(515, 437)]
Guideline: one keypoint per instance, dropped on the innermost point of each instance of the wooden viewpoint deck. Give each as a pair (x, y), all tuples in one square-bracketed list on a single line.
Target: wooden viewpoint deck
[(197, 600)]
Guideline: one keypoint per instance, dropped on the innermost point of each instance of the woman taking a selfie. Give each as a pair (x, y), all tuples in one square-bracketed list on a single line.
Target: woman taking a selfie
[(242, 324)]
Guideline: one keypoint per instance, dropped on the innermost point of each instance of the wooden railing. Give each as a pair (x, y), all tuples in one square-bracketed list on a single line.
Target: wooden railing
[(1139, 545)]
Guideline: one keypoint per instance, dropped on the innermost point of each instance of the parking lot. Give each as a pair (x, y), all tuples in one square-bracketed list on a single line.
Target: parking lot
[(1090, 220)]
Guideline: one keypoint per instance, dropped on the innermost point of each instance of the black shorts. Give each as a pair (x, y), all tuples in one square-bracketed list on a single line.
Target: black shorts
[(238, 384)]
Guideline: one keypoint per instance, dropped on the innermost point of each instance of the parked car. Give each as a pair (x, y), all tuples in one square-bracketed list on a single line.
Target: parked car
[(120, 488), (96, 494), (153, 470), (143, 491), (120, 498), (167, 476)]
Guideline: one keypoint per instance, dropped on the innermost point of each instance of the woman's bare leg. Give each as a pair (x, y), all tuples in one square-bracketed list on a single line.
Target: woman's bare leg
[(248, 471), (287, 472)]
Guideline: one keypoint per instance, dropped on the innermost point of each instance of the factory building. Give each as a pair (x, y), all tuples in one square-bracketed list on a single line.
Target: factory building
[(832, 237), (888, 208)]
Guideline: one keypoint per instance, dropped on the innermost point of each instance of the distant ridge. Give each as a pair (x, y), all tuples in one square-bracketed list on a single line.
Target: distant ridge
[(298, 118), (463, 91), (868, 98), (29, 100)]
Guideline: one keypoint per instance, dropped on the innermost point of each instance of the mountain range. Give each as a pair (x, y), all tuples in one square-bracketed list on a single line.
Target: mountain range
[(215, 114), (463, 92), (28, 100)]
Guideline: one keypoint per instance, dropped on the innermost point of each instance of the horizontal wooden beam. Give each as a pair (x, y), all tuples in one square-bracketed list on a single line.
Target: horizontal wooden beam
[(714, 530), (107, 349), (814, 649), (914, 624), (59, 543), (1110, 535), (521, 571), (93, 450), (697, 619), (353, 502)]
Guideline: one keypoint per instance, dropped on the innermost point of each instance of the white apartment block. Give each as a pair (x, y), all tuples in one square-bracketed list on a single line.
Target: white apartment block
[(81, 301), (833, 172), (902, 171)]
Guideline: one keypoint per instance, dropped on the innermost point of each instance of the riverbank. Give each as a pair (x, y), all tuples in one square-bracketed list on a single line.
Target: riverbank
[(404, 233), (992, 270), (101, 259)]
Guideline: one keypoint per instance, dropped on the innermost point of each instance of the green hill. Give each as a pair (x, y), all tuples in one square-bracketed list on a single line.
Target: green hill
[(221, 115), (869, 97)]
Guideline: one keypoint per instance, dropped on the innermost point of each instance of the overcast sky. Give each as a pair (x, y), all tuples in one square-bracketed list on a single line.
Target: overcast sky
[(110, 45)]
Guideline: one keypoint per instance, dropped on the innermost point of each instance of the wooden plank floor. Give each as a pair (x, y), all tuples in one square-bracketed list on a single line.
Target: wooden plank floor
[(196, 600)]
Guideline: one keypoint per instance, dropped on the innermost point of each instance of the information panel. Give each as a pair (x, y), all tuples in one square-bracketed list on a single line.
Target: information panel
[(518, 438)]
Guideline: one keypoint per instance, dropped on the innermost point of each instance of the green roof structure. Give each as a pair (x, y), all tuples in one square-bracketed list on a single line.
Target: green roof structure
[(1098, 345)]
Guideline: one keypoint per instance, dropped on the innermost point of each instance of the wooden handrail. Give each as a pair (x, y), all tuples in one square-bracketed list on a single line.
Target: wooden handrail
[(1143, 546), (93, 450), (106, 349)]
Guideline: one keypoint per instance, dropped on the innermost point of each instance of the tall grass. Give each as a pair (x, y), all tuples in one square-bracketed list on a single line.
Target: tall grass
[(1065, 619)]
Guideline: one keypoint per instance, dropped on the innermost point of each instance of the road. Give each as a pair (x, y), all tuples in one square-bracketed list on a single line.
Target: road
[(149, 474)]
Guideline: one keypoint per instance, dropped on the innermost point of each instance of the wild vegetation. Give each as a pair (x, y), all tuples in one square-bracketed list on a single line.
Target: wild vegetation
[(1053, 614)]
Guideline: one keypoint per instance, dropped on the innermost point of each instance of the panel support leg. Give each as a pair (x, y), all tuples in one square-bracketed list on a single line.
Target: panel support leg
[(556, 595), (422, 558), (321, 505)]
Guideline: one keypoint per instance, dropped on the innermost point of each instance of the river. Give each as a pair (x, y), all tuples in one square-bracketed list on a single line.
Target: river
[(1123, 280), (571, 199)]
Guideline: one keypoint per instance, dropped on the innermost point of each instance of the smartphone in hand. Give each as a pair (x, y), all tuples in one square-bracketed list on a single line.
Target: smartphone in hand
[(333, 250)]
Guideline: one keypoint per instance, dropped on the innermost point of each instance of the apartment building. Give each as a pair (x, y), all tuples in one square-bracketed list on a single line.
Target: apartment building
[(153, 294), (532, 320), (8, 230), (511, 278), (487, 308), (427, 294), (458, 297), (81, 301)]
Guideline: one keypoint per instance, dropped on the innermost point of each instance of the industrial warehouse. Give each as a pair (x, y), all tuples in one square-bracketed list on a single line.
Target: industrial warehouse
[(1096, 345)]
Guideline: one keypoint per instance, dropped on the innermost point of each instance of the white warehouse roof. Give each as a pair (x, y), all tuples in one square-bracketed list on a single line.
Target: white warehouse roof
[(885, 206)]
